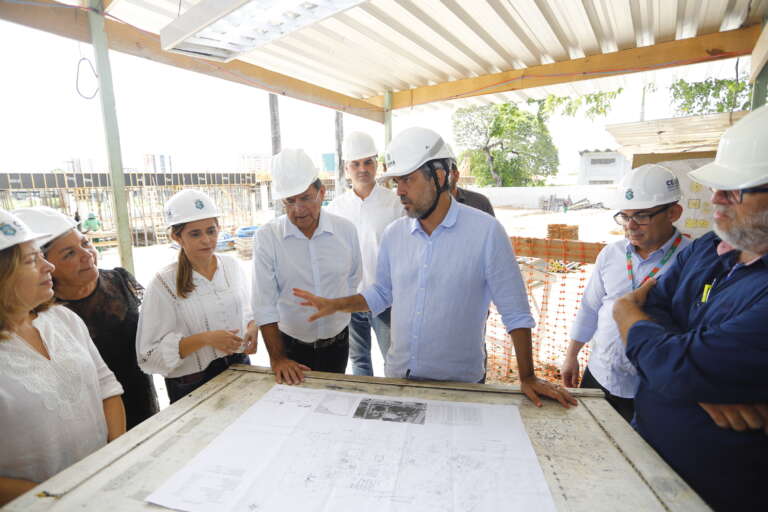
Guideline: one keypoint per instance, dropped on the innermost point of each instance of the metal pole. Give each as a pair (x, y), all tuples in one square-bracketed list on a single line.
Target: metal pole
[(274, 124), (387, 118), (341, 182), (760, 89), (111, 132)]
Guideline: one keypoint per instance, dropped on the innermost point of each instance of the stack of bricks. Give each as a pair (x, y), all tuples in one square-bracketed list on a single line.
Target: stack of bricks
[(562, 232)]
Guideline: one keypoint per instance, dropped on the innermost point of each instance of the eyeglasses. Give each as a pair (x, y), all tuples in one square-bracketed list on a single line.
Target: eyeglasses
[(302, 201), (641, 219), (736, 196)]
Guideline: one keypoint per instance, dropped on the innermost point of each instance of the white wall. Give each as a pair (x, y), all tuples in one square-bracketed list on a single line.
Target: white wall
[(529, 197)]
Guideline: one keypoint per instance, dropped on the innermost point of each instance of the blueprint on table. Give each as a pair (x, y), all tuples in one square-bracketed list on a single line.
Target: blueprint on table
[(312, 450)]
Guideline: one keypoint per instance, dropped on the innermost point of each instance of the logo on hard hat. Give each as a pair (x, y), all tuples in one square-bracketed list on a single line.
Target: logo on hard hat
[(629, 194), (199, 204), (673, 185), (170, 213), (7, 229)]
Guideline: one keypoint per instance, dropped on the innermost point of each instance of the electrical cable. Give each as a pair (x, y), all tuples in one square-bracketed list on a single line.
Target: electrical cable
[(77, 78)]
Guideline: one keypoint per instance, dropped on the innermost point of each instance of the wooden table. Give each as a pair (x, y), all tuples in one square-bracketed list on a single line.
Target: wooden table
[(591, 458)]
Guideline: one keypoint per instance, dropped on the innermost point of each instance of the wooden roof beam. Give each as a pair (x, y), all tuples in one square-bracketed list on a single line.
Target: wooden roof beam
[(719, 45), (73, 24)]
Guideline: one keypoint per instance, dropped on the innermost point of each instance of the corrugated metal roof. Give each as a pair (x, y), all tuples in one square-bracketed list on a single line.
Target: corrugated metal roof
[(397, 45)]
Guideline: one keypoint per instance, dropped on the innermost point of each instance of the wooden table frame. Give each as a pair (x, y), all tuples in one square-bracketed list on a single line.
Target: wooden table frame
[(591, 458)]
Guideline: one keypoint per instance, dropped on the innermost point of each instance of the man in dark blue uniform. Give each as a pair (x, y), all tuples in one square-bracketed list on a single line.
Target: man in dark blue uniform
[(699, 337)]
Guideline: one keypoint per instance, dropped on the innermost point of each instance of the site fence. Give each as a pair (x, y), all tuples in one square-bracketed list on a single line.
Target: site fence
[(555, 273)]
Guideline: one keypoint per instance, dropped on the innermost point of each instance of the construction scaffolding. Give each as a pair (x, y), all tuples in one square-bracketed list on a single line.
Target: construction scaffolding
[(238, 195)]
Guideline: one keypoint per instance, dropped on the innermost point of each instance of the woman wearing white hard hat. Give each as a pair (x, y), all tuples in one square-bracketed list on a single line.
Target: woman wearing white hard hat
[(107, 300), (59, 402), (192, 325)]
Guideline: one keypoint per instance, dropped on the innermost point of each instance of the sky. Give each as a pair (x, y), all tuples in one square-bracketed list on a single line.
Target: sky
[(204, 123)]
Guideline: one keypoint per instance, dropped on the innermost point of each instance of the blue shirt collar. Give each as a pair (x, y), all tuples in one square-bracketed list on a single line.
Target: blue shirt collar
[(661, 250), (448, 222)]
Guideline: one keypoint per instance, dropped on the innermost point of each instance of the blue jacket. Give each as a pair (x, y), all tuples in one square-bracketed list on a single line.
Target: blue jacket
[(714, 351)]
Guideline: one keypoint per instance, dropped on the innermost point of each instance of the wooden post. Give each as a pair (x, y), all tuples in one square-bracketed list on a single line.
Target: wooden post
[(111, 131), (274, 123), (341, 182), (387, 118)]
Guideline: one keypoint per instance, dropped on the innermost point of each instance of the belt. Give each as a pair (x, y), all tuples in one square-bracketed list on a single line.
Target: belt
[(325, 342)]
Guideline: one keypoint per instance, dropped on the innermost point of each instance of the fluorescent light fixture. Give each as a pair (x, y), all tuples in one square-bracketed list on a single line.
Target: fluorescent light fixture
[(222, 30)]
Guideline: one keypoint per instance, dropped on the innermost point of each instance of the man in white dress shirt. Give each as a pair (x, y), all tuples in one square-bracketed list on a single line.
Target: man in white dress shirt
[(370, 207), (306, 248), (647, 200)]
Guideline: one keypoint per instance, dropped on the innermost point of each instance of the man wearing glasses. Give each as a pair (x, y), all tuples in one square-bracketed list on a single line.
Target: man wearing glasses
[(647, 200), (699, 337), (306, 248)]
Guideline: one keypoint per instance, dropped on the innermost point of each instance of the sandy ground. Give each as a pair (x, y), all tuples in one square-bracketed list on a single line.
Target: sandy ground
[(594, 226)]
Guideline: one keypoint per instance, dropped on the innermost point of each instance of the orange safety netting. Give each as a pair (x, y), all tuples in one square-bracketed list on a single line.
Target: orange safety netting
[(555, 274)]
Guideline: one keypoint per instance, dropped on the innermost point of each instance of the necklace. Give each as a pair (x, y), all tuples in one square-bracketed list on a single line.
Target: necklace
[(652, 273)]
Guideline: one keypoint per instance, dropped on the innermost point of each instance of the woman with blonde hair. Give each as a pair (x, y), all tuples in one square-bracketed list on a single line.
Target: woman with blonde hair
[(59, 402), (107, 300), (195, 320)]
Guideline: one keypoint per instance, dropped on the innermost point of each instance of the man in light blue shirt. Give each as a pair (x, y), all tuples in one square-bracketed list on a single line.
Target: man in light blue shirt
[(439, 269), (647, 200)]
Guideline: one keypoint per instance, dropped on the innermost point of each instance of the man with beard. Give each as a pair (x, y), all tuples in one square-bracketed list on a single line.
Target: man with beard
[(647, 200), (370, 208), (438, 269), (698, 337)]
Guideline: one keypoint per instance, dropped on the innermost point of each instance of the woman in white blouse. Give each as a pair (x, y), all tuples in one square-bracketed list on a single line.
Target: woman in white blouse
[(195, 310), (59, 402)]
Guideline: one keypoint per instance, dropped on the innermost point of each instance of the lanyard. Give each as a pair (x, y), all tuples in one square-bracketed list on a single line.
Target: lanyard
[(664, 260)]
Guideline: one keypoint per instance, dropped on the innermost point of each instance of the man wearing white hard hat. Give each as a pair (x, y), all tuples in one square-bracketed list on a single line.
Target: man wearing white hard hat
[(370, 207), (307, 248), (439, 269), (647, 200), (698, 336)]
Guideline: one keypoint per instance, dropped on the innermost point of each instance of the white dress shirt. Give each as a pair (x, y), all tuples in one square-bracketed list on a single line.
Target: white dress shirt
[(327, 265), (52, 410), (439, 287), (594, 321), (370, 216), (221, 303)]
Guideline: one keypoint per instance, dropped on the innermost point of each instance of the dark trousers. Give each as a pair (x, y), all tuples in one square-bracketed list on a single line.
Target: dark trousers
[(179, 387), (328, 355), (623, 406)]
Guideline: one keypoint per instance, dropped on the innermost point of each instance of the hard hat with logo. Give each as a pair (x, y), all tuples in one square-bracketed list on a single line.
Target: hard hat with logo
[(188, 206), (292, 173), (647, 186), (46, 220), (742, 155), (14, 231), (358, 145), (411, 149)]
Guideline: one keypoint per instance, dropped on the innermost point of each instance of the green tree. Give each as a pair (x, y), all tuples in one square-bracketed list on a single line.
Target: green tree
[(507, 146), (592, 105), (710, 96)]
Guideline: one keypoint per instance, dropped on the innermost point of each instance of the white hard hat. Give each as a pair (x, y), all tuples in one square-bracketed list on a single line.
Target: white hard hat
[(46, 220), (292, 173), (742, 156), (188, 206), (358, 145), (13, 231), (411, 149), (647, 186)]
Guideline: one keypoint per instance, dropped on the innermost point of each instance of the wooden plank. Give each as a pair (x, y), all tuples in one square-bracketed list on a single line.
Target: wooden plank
[(709, 47), (759, 55), (654, 158), (588, 454), (549, 249), (50, 16)]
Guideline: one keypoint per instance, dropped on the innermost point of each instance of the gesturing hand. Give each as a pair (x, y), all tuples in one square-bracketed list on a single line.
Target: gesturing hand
[(225, 340), (323, 306), (251, 338)]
